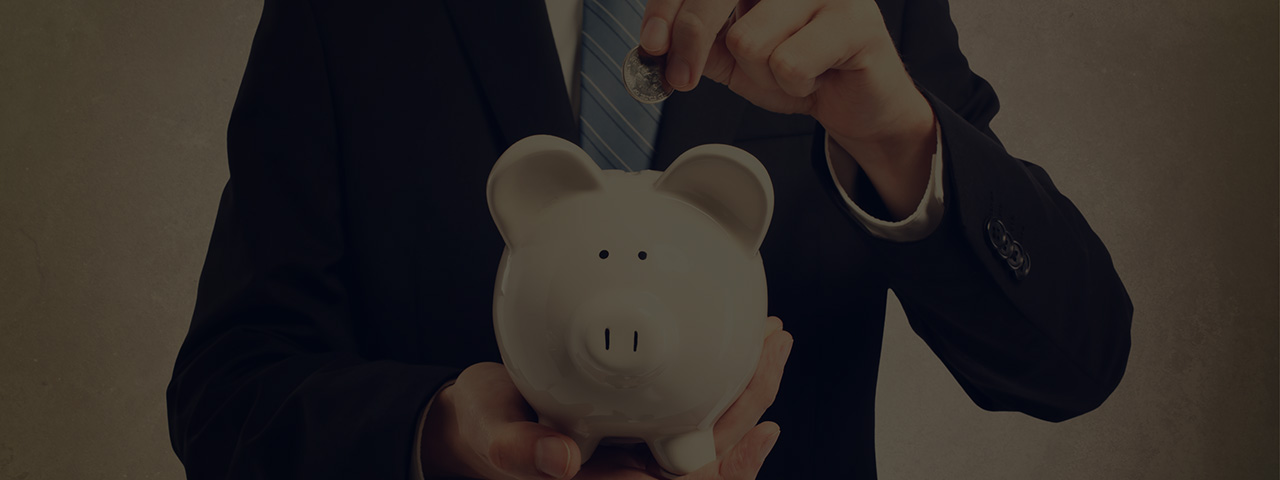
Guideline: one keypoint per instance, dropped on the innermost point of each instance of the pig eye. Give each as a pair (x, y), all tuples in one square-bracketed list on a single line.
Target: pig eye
[(643, 255), (604, 254)]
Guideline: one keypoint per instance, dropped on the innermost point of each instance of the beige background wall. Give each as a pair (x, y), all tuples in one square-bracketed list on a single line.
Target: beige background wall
[(1158, 118)]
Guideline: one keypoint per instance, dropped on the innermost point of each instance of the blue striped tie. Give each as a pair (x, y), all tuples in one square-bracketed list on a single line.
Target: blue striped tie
[(616, 130)]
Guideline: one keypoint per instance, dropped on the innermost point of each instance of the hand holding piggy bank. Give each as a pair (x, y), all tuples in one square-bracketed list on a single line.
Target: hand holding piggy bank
[(631, 306)]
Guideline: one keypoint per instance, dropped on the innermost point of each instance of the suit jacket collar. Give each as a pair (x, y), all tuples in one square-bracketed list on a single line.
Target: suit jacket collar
[(513, 57)]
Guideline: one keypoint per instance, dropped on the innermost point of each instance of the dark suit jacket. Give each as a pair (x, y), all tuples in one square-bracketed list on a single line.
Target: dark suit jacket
[(351, 267)]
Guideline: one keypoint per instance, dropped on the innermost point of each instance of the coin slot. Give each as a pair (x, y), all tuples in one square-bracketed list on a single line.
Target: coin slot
[(606, 339)]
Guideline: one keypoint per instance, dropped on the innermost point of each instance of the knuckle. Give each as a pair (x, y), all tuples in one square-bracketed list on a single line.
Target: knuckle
[(499, 457), (688, 27), (741, 43), (754, 405), (479, 369), (778, 348), (783, 337), (735, 464), (786, 68), (477, 374), (771, 397), (763, 399)]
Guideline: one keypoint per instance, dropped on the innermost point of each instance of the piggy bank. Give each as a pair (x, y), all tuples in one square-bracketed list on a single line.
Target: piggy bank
[(630, 306)]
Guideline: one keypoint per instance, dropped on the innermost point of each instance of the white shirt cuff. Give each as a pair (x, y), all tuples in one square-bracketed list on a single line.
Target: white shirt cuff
[(417, 438), (916, 226)]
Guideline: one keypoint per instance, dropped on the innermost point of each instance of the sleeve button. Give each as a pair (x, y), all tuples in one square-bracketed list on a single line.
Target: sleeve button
[(998, 236)]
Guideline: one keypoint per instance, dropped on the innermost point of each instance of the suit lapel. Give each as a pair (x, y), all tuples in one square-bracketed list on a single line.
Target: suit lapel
[(513, 56)]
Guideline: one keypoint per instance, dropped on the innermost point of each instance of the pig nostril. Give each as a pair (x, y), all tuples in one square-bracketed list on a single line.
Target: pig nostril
[(606, 339), (635, 341)]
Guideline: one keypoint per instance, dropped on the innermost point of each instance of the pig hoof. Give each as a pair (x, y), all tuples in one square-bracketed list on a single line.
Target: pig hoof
[(684, 453)]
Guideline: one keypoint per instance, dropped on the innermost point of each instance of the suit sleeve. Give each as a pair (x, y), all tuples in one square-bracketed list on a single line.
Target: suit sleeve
[(269, 382), (1013, 291)]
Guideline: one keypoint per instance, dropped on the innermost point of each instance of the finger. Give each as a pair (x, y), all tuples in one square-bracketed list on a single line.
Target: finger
[(655, 28), (721, 67), (693, 30), (760, 393), (529, 450), (773, 325), (720, 62), (486, 394), (744, 460), (831, 40), (495, 422), (754, 36)]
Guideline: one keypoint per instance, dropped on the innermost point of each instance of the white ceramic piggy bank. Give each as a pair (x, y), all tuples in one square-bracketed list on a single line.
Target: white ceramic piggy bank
[(631, 306)]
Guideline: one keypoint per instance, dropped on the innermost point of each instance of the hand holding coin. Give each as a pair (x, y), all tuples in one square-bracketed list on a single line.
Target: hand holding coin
[(830, 59)]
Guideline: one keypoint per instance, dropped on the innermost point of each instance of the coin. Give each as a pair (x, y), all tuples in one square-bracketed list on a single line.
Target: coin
[(645, 77)]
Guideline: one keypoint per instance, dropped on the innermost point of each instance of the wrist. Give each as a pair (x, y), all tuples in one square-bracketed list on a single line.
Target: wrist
[(901, 139), (439, 435), (897, 158)]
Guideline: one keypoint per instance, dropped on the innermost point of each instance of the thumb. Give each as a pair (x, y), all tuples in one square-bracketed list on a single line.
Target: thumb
[(529, 450)]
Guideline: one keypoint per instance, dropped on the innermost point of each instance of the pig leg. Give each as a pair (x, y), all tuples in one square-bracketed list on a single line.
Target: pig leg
[(682, 454)]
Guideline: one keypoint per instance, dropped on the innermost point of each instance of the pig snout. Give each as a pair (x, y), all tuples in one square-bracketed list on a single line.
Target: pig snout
[(623, 340), (626, 344)]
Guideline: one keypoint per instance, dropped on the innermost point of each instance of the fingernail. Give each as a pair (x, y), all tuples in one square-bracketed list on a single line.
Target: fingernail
[(552, 457), (678, 72), (654, 35)]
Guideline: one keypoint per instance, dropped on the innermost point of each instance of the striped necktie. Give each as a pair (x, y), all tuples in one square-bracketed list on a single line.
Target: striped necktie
[(616, 130)]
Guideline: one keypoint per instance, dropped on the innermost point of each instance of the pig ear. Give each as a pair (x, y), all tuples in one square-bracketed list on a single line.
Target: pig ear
[(727, 183), (533, 174)]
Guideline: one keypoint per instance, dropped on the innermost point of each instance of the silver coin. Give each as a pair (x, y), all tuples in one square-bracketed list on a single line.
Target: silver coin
[(645, 77)]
